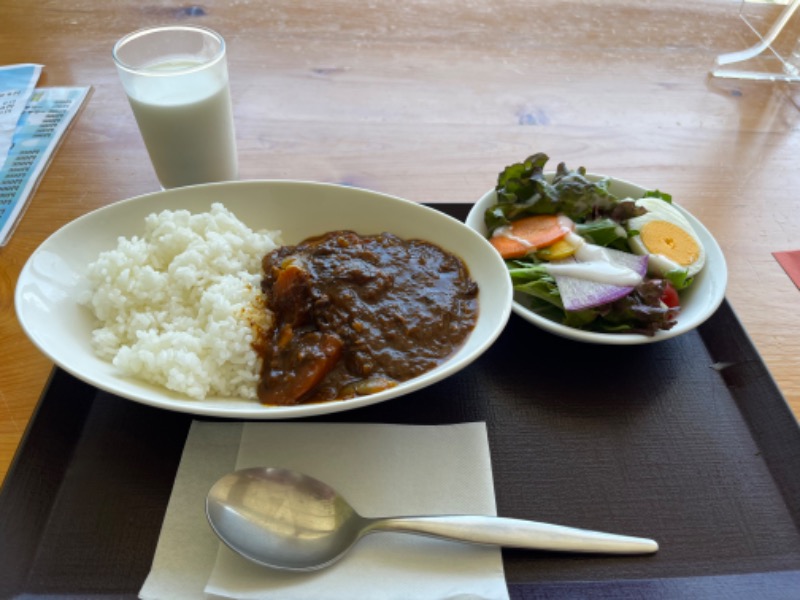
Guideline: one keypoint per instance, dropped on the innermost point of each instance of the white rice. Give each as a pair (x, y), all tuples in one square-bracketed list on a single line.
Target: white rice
[(181, 306)]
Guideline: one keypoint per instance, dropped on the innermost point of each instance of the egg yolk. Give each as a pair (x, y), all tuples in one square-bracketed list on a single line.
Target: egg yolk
[(667, 239)]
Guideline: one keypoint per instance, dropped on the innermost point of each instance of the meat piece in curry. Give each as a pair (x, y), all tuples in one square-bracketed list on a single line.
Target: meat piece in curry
[(355, 315)]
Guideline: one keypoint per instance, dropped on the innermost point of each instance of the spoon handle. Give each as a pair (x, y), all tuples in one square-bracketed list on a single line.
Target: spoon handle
[(517, 533)]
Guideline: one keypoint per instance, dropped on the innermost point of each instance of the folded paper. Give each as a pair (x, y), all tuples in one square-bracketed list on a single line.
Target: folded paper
[(383, 470), (790, 261)]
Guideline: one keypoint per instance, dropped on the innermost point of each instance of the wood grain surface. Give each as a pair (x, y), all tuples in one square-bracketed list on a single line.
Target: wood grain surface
[(428, 100)]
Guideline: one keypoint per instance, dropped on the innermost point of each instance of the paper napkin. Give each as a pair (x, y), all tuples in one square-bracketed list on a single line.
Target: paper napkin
[(383, 470)]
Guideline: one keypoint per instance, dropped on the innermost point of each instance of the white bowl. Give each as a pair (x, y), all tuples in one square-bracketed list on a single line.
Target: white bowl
[(47, 289), (698, 302)]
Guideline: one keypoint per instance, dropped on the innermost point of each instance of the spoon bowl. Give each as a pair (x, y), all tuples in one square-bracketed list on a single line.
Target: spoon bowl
[(286, 520), (282, 519)]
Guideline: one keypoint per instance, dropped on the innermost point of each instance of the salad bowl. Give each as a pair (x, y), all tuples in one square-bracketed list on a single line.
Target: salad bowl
[(698, 302)]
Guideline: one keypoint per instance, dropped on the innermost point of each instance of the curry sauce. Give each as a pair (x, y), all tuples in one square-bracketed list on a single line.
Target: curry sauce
[(354, 315)]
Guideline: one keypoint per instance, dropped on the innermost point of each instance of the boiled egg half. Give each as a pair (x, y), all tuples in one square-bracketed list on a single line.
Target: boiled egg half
[(667, 237)]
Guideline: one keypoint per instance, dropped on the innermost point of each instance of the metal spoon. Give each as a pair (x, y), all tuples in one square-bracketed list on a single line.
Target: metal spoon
[(286, 520)]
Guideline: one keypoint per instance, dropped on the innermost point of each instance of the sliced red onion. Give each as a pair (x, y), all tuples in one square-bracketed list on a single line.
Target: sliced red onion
[(578, 293)]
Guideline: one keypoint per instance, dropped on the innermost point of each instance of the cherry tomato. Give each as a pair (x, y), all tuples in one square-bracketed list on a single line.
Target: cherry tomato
[(670, 296)]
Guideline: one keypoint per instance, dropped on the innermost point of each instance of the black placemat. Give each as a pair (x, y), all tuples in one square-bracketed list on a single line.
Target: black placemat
[(687, 441)]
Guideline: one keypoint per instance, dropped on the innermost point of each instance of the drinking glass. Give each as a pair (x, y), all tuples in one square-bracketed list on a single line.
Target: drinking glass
[(176, 80)]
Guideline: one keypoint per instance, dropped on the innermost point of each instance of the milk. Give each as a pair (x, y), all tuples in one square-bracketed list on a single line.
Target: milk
[(186, 121)]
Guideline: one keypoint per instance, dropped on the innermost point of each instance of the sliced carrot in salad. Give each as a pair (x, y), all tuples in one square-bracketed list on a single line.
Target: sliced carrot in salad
[(525, 235)]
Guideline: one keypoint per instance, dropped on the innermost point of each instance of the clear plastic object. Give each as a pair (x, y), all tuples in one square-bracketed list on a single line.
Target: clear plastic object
[(776, 54)]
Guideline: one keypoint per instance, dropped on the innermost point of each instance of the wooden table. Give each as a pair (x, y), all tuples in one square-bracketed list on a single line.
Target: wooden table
[(428, 101)]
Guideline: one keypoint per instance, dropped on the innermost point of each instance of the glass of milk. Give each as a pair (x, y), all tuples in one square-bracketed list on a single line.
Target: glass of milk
[(176, 79)]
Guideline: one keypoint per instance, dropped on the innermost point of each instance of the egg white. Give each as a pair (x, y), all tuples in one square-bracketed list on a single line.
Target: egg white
[(659, 210)]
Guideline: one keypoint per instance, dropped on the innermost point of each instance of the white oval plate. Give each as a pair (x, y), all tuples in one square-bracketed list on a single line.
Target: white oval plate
[(49, 284), (698, 303)]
